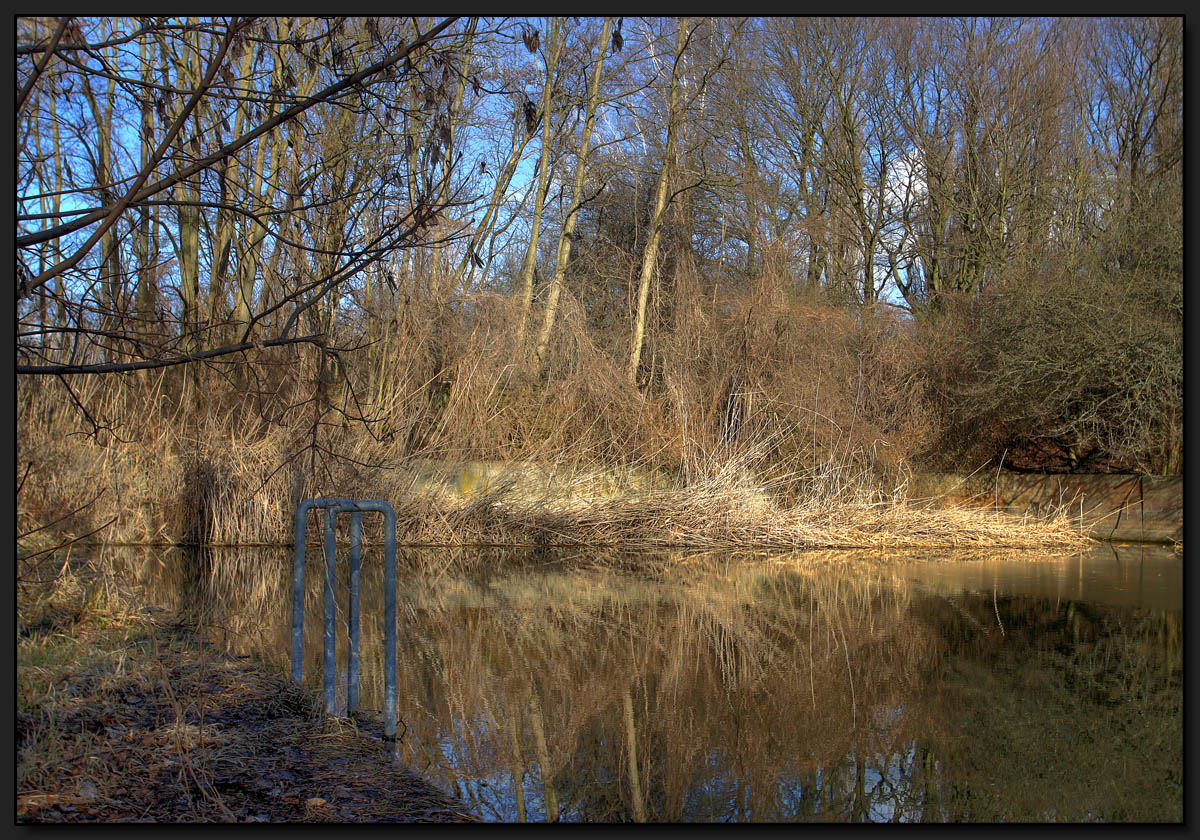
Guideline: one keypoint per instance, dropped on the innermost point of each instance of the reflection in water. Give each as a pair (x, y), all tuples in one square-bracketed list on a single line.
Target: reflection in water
[(1147, 576), (773, 687)]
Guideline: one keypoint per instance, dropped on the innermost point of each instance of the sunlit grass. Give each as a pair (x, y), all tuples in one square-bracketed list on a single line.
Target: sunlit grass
[(205, 466)]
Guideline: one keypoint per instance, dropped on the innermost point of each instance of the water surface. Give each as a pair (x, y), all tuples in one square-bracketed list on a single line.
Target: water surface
[(838, 686)]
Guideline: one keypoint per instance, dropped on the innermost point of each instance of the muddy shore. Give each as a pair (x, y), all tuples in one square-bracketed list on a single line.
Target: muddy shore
[(142, 719)]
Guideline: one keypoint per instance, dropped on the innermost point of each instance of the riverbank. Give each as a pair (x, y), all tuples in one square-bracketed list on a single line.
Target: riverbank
[(205, 473), (720, 514), (238, 502), (1118, 508), (127, 714)]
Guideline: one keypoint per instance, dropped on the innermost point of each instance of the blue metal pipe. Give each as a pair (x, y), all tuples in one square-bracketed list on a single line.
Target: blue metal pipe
[(352, 618), (389, 617), (329, 678), (298, 588), (356, 508)]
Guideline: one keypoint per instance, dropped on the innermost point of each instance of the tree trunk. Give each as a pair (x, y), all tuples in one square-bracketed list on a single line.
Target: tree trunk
[(145, 254), (635, 784), (659, 213), (563, 256), (553, 50), (539, 738)]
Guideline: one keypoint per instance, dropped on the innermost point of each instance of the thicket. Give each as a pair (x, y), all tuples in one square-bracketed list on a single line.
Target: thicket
[(824, 404), (1070, 370)]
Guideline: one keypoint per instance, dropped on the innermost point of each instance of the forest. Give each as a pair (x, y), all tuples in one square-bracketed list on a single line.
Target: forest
[(263, 257)]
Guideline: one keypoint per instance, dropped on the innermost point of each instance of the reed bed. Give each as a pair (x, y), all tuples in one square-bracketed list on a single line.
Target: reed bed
[(215, 499), (709, 516), (818, 458)]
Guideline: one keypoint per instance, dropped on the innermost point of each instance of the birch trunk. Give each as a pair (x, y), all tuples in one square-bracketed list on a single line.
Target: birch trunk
[(553, 50), (563, 255), (658, 216)]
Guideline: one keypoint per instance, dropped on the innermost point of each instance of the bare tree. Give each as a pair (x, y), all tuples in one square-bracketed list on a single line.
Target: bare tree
[(662, 197), (546, 114), (194, 157), (563, 251)]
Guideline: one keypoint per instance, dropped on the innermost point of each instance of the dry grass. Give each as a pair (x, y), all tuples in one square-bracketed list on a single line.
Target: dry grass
[(214, 497), (830, 413), (714, 517), (722, 505)]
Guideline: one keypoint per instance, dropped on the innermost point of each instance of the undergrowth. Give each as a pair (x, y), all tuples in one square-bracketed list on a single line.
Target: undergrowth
[(765, 421)]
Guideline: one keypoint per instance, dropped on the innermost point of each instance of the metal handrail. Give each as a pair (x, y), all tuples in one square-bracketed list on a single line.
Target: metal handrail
[(356, 507)]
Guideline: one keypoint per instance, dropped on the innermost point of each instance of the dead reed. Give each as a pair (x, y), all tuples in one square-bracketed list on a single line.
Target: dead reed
[(722, 448), (724, 510)]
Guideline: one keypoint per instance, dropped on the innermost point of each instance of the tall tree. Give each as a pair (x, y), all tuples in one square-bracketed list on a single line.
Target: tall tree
[(662, 196), (546, 113), (567, 232), (190, 174)]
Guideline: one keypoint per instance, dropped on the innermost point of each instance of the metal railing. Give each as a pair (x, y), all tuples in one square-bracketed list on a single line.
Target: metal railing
[(355, 508)]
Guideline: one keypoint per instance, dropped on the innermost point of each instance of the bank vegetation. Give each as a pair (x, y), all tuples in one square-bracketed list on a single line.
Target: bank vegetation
[(765, 267)]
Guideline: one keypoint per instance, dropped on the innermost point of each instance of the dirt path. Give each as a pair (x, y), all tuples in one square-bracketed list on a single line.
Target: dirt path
[(178, 732)]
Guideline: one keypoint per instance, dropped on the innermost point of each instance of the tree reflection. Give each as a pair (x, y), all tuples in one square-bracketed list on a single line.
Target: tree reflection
[(791, 687)]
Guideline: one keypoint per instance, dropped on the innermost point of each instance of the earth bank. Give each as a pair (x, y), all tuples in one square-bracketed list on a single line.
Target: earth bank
[(126, 714)]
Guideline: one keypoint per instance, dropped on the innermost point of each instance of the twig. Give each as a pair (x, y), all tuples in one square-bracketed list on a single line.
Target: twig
[(68, 542), (212, 796), (996, 608), (20, 485)]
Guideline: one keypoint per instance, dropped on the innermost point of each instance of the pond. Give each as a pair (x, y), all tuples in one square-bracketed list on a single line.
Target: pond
[(590, 685)]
